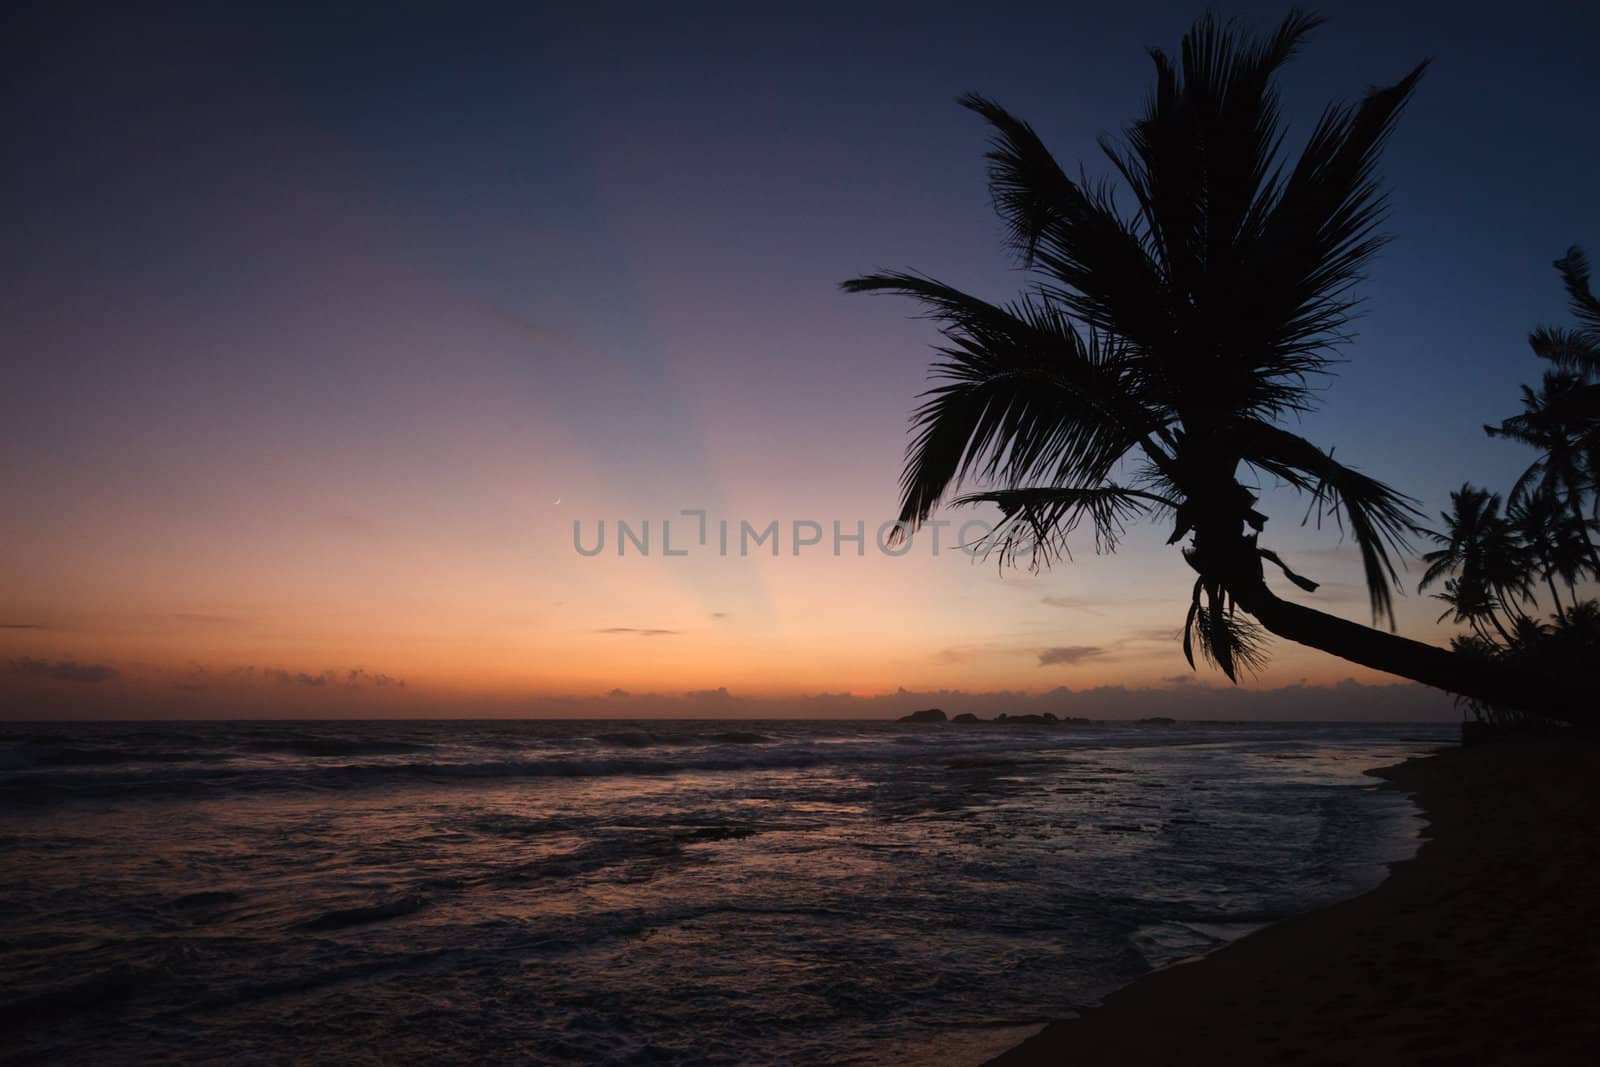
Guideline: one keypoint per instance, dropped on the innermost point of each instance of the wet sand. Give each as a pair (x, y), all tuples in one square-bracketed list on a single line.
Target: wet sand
[(1485, 948)]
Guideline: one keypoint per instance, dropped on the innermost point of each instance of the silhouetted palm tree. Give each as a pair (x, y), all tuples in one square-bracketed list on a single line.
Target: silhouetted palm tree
[(1480, 550), (1562, 420), (1528, 635), (1582, 623), (1573, 349), (1470, 603), (1557, 421), (1554, 542), (1151, 359)]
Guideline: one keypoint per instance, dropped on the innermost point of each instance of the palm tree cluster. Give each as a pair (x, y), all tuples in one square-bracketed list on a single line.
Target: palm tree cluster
[(1148, 366), (1492, 562)]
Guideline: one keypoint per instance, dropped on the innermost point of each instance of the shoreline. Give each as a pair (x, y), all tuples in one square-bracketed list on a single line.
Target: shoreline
[(1484, 947)]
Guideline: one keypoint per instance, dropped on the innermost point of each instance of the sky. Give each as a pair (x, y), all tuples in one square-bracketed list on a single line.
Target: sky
[(322, 329)]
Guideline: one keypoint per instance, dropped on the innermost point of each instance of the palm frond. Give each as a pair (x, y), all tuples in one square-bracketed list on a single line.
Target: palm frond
[(1214, 112), (1559, 420), (1380, 519), (1320, 233), (1038, 521), (1096, 262), (1225, 641), (1574, 268), (1025, 397), (1571, 350)]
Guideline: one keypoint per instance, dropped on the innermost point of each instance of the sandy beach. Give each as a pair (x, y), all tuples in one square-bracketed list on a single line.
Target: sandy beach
[(1482, 949)]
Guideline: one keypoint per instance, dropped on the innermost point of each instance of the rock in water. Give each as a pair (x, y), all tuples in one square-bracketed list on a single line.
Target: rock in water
[(930, 715)]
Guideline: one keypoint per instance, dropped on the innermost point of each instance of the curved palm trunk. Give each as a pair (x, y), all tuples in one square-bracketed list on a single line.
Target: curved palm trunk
[(1583, 527), (1498, 625), (1550, 580), (1441, 668)]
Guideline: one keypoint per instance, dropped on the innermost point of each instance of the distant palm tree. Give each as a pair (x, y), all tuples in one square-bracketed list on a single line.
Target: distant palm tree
[(1529, 635), (1481, 551), (1151, 360), (1562, 419), (1583, 623), (1470, 603), (1573, 349), (1557, 421), (1554, 541)]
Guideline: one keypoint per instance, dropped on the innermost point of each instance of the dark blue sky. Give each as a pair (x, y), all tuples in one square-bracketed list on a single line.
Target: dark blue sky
[(754, 157)]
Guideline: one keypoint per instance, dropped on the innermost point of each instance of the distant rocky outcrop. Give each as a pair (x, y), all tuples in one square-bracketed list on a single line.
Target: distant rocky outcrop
[(1047, 717)]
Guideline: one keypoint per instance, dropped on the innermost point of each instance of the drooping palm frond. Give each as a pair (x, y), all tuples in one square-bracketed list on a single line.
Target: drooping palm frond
[(1038, 521), (1224, 640), (1299, 580), (1380, 519), (1025, 396)]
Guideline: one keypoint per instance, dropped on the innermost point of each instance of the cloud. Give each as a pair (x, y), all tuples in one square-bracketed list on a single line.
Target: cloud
[(355, 677), (539, 331), (200, 619), (1072, 604), (618, 694), (720, 614), (1022, 643), (1068, 655), (20, 626), (249, 693), (63, 670), (1199, 700), (283, 677), (637, 631)]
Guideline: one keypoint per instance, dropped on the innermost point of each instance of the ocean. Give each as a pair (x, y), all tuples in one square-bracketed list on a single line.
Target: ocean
[(651, 892)]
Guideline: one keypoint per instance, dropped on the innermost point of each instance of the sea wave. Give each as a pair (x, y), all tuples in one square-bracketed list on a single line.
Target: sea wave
[(335, 746), (343, 918), (529, 891), (373, 763)]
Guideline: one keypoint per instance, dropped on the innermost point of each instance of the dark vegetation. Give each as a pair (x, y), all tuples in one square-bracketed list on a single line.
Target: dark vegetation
[(1498, 558)]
